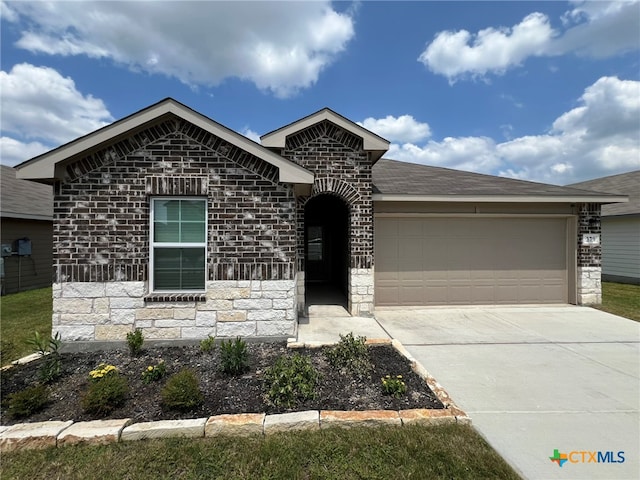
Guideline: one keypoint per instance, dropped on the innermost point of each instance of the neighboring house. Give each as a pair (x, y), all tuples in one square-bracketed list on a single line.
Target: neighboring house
[(170, 222), (620, 227), (26, 214)]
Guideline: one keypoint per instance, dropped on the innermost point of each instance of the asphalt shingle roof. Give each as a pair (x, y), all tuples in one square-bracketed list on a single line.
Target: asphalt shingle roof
[(625, 184), (402, 178), (23, 198)]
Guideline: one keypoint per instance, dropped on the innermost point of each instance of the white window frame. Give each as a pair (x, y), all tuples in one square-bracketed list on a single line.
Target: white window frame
[(153, 245)]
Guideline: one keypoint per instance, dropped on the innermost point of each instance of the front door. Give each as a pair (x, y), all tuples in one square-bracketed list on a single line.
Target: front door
[(326, 244)]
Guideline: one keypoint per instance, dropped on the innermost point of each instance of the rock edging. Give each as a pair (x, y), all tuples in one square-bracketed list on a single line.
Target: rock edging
[(58, 433)]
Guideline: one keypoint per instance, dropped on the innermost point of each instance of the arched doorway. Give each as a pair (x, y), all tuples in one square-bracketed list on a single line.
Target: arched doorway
[(326, 251)]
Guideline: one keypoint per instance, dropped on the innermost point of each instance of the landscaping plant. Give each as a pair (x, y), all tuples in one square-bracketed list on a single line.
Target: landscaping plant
[(107, 390), (290, 380), (351, 354), (49, 349), (135, 340), (234, 357), (394, 386), (207, 344), (153, 373), (28, 401), (182, 391)]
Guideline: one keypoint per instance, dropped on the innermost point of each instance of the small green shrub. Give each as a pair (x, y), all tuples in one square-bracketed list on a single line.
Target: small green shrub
[(182, 391), (49, 348), (234, 357), (153, 373), (207, 344), (393, 386), (28, 401), (351, 354), (290, 380), (135, 340), (105, 394)]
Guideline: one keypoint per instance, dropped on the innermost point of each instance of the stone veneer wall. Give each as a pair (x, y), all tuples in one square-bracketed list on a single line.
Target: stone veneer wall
[(342, 168), (85, 311), (101, 244), (588, 282)]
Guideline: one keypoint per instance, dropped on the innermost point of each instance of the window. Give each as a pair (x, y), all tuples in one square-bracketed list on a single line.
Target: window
[(178, 244)]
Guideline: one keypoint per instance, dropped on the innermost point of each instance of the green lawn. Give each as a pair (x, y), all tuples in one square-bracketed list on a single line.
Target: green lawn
[(621, 299), (410, 452), (22, 314)]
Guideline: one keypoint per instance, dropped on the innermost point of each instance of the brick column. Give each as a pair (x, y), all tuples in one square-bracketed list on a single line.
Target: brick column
[(589, 272)]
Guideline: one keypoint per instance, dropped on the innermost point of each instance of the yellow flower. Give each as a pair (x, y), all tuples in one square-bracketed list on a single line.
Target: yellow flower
[(150, 368)]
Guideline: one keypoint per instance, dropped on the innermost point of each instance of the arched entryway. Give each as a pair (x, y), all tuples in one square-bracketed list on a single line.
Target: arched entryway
[(326, 251)]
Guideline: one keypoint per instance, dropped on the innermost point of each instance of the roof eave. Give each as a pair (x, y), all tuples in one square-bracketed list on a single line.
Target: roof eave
[(26, 216), (392, 197), (48, 166), (371, 141)]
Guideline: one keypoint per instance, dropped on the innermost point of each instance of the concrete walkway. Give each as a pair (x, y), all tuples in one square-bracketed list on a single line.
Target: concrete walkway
[(533, 379)]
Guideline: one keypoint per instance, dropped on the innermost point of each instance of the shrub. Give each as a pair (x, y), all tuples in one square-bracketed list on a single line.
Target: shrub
[(28, 401), (394, 386), (153, 373), (182, 391), (49, 349), (207, 344), (102, 371), (234, 358), (135, 340), (105, 394), (351, 354), (291, 380)]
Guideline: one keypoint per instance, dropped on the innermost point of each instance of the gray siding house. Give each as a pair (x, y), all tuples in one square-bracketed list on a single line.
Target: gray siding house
[(26, 218), (170, 222), (620, 227)]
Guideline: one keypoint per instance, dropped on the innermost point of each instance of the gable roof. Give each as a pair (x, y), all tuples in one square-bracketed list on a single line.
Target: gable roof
[(623, 183), (370, 141), (401, 181), (48, 166), (24, 199)]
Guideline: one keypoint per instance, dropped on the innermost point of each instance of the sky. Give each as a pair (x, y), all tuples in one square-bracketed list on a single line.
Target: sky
[(541, 91)]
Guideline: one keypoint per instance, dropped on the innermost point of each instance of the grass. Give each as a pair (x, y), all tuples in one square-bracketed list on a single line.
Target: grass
[(621, 299), (22, 314), (409, 452)]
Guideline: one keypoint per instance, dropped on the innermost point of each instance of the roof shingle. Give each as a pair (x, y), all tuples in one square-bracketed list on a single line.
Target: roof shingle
[(22, 198), (624, 184), (402, 178)]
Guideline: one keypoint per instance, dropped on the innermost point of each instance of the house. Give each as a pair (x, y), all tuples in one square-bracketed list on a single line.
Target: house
[(26, 230), (170, 222), (620, 227)]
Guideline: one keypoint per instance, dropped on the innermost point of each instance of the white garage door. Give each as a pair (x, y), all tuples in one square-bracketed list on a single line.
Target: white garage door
[(462, 261)]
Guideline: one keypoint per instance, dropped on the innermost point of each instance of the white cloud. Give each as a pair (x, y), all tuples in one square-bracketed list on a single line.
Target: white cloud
[(401, 129), (279, 46), (596, 29), (13, 152), (601, 136), (41, 109), (39, 103), (490, 50), (250, 134)]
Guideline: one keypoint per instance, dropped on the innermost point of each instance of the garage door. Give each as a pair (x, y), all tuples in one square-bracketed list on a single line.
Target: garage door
[(462, 261)]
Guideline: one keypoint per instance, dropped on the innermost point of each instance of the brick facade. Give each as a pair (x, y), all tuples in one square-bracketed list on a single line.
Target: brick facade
[(101, 228), (341, 168), (589, 257)]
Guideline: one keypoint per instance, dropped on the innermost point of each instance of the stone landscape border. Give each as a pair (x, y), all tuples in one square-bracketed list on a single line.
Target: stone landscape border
[(23, 436)]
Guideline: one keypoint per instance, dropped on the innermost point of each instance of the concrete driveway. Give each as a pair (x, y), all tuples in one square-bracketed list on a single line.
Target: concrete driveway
[(537, 379)]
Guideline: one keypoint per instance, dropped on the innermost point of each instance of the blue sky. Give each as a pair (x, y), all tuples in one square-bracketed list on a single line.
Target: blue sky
[(543, 91)]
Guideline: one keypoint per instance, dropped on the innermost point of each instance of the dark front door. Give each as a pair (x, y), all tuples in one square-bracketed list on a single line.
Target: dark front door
[(326, 243)]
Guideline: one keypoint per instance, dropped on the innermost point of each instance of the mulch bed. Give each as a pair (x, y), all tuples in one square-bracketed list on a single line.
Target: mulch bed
[(223, 394)]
